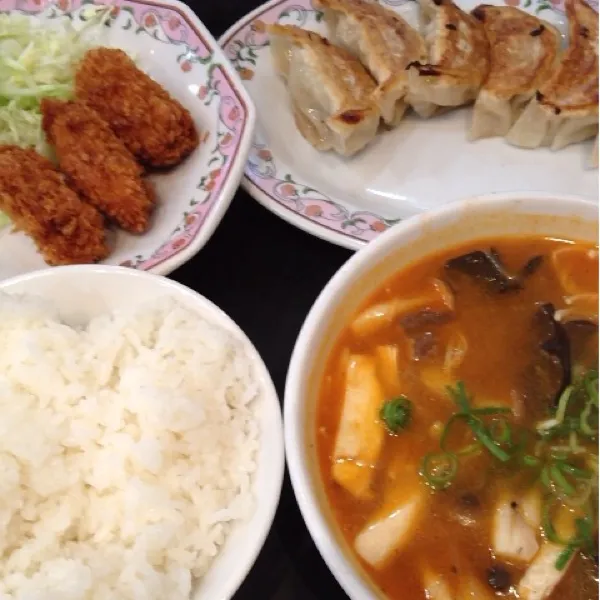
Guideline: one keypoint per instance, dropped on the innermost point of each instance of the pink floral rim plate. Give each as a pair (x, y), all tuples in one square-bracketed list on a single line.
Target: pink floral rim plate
[(418, 166), (172, 45)]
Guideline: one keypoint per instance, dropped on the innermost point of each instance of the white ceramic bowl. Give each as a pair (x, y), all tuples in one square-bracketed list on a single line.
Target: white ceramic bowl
[(83, 292), (451, 225)]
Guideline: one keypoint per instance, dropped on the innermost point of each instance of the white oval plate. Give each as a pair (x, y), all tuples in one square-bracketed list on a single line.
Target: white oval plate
[(420, 165), (172, 45)]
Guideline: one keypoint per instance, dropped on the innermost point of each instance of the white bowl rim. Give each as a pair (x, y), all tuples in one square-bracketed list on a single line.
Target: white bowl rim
[(276, 463), (346, 575)]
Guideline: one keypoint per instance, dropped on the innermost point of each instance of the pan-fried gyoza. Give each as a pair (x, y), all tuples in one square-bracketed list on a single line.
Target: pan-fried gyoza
[(458, 60), (565, 108), (524, 51), (330, 91), (374, 64), (383, 41)]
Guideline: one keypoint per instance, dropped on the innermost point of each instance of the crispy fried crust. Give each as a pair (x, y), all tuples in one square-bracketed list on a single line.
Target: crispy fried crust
[(156, 128), (38, 201), (97, 163)]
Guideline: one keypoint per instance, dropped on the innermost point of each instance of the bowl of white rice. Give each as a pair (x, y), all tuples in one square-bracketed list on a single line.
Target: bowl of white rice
[(141, 446)]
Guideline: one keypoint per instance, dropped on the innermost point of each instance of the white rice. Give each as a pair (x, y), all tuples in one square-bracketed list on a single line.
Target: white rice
[(126, 451)]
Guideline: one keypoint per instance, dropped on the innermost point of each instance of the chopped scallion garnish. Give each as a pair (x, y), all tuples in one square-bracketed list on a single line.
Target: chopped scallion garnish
[(564, 557), (556, 452), (439, 469), (560, 480), (396, 414)]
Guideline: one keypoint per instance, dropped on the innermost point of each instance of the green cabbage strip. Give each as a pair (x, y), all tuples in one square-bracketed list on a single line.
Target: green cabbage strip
[(38, 59)]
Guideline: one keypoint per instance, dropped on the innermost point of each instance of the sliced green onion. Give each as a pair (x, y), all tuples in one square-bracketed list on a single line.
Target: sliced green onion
[(531, 461), (545, 479), (459, 395), (585, 528), (396, 414), (581, 495), (560, 480), (439, 469), (583, 525), (590, 382), (584, 538), (548, 527), (566, 481), (483, 436), (500, 431), (564, 557)]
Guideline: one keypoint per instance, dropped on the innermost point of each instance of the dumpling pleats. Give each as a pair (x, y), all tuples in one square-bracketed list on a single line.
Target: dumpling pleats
[(384, 43), (330, 91), (458, 60), (524, 51), (565, 108)]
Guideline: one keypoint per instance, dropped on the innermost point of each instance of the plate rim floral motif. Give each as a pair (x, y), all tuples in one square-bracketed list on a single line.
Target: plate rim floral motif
[(275, 188), (172, 22)]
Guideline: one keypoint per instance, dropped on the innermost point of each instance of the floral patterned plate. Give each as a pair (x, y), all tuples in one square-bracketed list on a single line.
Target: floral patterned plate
[(171, 44), (419, 165)]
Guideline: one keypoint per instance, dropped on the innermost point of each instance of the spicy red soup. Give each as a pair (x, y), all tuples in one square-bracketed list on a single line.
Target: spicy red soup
[(458, 425)]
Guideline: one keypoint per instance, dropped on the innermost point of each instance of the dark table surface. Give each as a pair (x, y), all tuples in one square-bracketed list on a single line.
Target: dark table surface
[(266, 274)]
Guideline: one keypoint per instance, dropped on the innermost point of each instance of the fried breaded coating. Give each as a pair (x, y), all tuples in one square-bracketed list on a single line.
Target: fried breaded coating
[(155, 127), (38, 201), (97, 163)]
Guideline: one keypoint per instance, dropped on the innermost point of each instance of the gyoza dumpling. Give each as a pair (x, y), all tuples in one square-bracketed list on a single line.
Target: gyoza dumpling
[(565, 108), (383, 41), (524, 51), (458, 59), (330, 91)]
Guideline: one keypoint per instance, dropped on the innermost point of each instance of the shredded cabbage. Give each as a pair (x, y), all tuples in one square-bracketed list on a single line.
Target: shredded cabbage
[(38, 59)]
